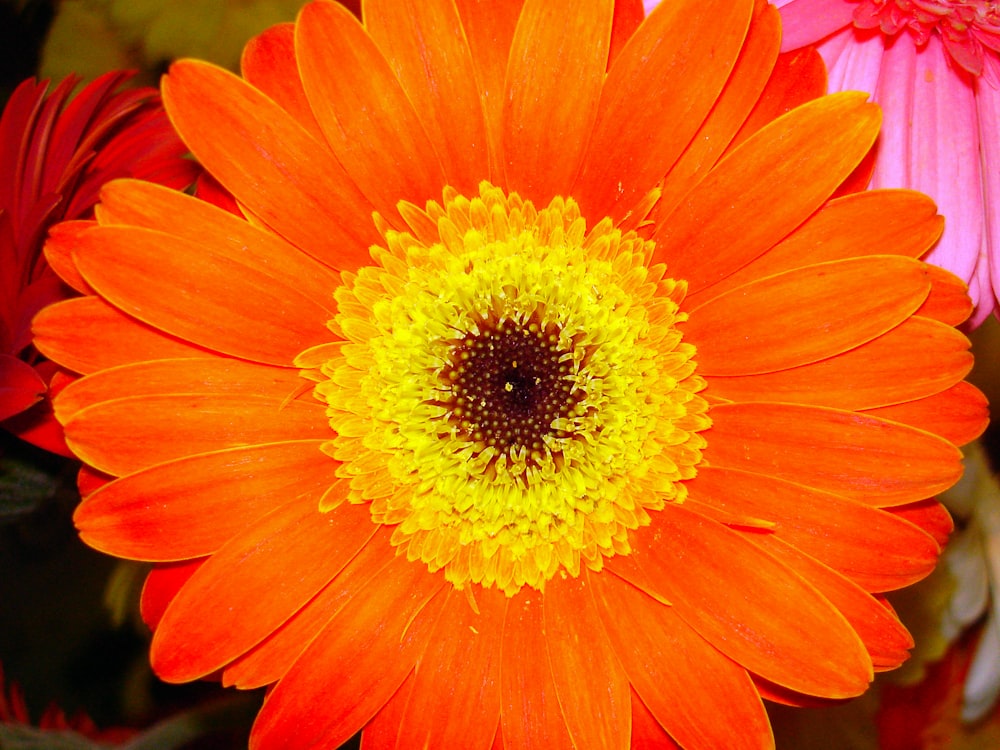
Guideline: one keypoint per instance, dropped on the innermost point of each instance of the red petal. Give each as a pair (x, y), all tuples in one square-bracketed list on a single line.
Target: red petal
[(162, 585), (20, 386)]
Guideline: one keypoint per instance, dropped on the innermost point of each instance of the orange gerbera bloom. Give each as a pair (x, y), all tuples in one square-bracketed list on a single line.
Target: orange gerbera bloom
[(607, 424)]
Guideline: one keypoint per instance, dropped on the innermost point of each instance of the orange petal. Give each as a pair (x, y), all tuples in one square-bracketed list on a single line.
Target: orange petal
[(176, 425), (489, 28), (798, 77), (270, 163), (545, 124), (647, 734), (916, 359), (791, 166), (959, 414), (660, 653), (87, 334), (870, 546), (253, 584), (887, 641), (270, 659), (752, 70), (425, 44), (161, 586), (462, 662), (949, 298), (147, 516), (382, 731), (596, 715), (201, 293), (877, 222), (363, 111), (269, 65), (530, 714), (145, 204), (657, 93), (750, 606), (930, 516), (850, 454), (205, 376), (628, 15), (355, 663), (59, 253), (805, 315)]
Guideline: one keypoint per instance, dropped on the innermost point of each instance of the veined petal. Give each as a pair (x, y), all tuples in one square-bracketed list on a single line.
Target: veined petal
[(201, 294), (363, 111), (826, 309), (462, 660), (895, 367), (770, 626), (660, 652), (356, 662), (578, 645), (181, 424), (703, 240), (844, 534), (270, 163), (425, 44), (657, 93), (530, 715), (86, 334), (546, 125), (878, 462), (146, 516), (281, 561), (876, 222)]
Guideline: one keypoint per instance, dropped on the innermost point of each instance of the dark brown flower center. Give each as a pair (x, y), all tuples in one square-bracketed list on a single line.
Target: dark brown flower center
[(508, 384)]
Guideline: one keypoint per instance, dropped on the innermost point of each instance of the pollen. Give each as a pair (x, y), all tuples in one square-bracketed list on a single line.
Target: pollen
[(511, 391)]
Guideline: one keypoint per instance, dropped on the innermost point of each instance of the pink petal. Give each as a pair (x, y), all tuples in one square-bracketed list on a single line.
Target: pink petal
[(853, 63), (930, 142), (988, 104), (807, 21)]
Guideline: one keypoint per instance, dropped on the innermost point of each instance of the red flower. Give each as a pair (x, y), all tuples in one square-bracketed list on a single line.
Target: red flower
[(55, 154)]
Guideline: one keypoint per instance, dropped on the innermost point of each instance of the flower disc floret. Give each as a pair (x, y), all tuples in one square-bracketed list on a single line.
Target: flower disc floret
[(513, 393)]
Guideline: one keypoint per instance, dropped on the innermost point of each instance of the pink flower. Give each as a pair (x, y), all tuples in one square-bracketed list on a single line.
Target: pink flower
[(934, 67), (55, 154)]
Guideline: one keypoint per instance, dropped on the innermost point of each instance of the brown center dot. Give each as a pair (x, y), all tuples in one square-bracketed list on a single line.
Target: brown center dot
[(508, 384)]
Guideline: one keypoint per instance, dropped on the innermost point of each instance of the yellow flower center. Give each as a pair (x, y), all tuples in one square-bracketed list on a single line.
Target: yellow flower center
[(513, 393)]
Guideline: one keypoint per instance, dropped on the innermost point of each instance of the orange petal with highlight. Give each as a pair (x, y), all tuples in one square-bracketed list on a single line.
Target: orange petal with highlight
[(147, 515), (177, 425), (919, 358), (59, 253), (270, 163), (356, 662), (877, 222), (201, 293), (363, 111), (530, 714), (855, 455), (765, 617), (86, 334), (660, 652), (959, 414), (658, 91), (841, 533), (425, 44), (578, 645), (268, 64), (824, 310), (545, 124), (253, 584), (707, 237), (462, 661)]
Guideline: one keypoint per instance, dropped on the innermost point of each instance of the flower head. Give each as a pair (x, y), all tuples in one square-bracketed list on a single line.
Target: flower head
[(514, 412), (55, 153), (934, 67)]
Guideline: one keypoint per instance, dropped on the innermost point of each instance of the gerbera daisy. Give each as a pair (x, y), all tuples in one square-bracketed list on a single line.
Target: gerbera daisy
[(515, 412), (934, 67), (55, 153)]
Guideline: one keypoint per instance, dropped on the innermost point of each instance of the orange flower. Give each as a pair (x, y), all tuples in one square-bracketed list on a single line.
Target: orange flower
[(627, 426), (54, 156)]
